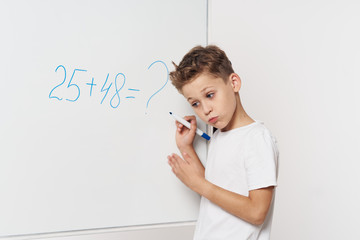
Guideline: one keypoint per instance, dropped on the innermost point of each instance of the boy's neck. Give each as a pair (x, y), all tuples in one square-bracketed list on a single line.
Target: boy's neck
[(240, 118)]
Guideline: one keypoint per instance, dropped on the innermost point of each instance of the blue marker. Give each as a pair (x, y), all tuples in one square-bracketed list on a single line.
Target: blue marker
[(187, 124)]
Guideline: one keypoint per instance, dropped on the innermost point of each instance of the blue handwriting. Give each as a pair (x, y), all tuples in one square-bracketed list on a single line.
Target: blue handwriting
[(108, 84)]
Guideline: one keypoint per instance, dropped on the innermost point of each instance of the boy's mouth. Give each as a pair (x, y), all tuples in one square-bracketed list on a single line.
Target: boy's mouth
[(213, 120)]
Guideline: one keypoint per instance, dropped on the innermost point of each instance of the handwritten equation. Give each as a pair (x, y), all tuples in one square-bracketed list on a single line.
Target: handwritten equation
[(109, 88)]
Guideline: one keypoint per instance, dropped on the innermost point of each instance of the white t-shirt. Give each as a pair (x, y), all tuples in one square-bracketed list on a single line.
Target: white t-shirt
[(239, 160)]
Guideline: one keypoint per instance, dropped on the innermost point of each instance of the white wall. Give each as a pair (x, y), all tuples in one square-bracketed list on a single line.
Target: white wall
[(299, 62)]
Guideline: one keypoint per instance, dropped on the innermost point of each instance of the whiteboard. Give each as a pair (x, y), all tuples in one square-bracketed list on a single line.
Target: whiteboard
[(85, 126), (299, 62)]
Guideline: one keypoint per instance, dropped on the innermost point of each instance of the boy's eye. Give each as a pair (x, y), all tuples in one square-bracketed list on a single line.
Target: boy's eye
[(195, 104), (210, 95)]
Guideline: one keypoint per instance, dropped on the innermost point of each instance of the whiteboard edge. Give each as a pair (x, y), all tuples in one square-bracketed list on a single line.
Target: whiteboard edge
[(98, 231)]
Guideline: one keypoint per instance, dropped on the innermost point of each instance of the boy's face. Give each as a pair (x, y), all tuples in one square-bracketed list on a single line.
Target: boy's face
[(213, 100)]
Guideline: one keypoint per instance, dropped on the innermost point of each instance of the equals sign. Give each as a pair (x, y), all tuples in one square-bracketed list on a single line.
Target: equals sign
[(134, 90)]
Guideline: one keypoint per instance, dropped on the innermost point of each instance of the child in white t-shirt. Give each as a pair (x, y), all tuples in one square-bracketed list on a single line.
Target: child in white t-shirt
[(237, 185)]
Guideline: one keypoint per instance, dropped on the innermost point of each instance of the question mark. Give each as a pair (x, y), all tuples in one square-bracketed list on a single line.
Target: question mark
[(167, 79)]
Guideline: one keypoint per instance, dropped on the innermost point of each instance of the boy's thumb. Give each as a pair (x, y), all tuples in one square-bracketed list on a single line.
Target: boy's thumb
[(192, 127), (187, 157)]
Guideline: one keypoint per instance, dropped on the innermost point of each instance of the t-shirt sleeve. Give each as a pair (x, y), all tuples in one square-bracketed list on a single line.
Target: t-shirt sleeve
[(261, 162)]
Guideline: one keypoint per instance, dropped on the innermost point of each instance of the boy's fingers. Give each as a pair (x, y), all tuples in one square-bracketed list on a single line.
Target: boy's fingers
[(192, 130), (193, 126), (177, 159), (178, 124), (172, 164), (170, 161), (190, 118), (187, 157)]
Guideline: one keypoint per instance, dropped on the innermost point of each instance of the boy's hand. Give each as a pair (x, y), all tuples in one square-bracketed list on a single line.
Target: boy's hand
[(188, 170), (185, 137)]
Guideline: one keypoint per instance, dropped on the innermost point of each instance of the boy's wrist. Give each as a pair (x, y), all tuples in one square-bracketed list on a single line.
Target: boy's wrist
[(204, 188), (188, 149)]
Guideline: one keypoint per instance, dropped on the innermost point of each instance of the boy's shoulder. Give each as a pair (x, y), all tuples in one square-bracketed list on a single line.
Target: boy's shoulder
[(252, 130), (250, 134), (259, 132), (259, 128)]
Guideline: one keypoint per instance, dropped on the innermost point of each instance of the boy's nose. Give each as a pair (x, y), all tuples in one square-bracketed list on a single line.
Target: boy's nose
[(207, 108)]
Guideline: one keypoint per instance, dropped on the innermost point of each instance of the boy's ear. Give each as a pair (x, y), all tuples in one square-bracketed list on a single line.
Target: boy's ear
[(235, 82)]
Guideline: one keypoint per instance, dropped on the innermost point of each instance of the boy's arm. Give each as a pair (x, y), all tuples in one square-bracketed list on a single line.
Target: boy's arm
[(252, 209)]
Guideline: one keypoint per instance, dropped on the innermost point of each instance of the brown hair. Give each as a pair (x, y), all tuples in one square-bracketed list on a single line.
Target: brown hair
[(210, 59)]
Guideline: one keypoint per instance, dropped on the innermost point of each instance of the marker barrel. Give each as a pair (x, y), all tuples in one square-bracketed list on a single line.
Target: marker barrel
[(187, 124)]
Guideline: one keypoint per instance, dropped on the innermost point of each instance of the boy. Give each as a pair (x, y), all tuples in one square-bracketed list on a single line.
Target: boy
[(237, 187)]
